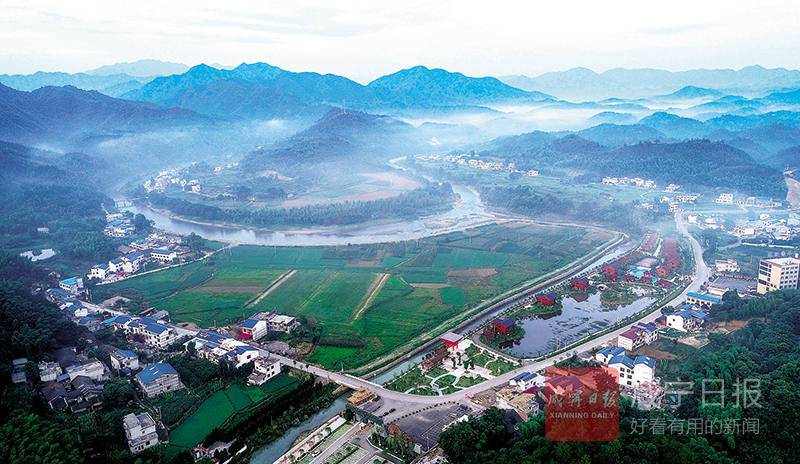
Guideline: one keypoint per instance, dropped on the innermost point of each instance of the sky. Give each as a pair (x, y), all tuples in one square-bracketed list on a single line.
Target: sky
[(363, 40)]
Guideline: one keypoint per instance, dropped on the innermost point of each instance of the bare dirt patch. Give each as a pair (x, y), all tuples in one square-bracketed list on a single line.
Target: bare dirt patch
[(183, 277), (428, 285), (229, 289), (654, 353), (371, 293), (397, 181), (356, 263), (485, 272), (273, 173), (794, 191)]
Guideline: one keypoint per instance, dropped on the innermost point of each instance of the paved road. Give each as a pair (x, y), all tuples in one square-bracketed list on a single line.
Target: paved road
[(413, 402)]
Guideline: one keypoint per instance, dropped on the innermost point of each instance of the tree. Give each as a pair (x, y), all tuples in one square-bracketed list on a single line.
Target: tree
[(195, 242), (27, 438), (142, 223)]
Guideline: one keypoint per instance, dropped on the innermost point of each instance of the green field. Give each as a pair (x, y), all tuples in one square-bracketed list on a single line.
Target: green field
[(237, 397), (453, 296), (380, 296), (211, 414)]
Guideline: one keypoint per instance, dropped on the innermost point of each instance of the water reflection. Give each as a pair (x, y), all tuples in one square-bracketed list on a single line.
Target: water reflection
[(469, 211), (573, 322)]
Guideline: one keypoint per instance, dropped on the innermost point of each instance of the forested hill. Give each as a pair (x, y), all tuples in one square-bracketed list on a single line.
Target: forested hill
[(694, 164), (53, 113), (348, 138)]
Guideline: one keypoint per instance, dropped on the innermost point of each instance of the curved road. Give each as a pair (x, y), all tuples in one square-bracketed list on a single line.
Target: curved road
[(406, 403)]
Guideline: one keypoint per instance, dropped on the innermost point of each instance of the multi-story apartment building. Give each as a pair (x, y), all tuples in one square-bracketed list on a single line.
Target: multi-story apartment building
[(777, 273)]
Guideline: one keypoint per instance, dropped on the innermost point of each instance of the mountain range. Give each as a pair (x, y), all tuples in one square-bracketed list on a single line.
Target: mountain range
[(582, 84)]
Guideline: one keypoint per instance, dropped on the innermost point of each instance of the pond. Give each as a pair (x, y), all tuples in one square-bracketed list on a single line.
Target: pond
[(39, 255), (574, 321)]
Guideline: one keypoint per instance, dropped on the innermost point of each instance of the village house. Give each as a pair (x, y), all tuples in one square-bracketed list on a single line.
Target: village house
[(124, 359), (254, 329), (140, 430), (606, 354), (563, 384), (214, 346), (264, 368), (704, 301), (727, 265), (638, 335), (633, 373), (686, 319), (72, 285), (527, 380), (503, 326), (158, 378), (154, 332), (163, 256), (48, 371), (547, 299), (579, 284)]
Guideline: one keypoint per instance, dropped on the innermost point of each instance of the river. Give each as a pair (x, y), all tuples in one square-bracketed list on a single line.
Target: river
[(270, 453), (469, 211)]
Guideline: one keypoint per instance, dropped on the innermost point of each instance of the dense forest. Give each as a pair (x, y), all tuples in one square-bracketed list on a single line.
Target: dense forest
[(694, 164), (526, 200), (431, 198), (765, 354)]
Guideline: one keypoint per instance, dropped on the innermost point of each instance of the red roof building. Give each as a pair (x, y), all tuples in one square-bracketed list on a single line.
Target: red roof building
[(665, 283), (503, 325), (547, 299), (452, 339), (610, 268), (630, 277), (611, 277), (647, 279), (580, 284)]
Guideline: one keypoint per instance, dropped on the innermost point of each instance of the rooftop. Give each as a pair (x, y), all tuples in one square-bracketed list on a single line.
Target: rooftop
[(154, 371)]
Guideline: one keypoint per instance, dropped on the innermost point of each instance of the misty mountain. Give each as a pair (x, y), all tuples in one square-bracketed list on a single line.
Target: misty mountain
[(237, 98), (611, 117), (415, 88), (343, 141), (695, 164), (787, 160), (613, 135), (83, 81), (689, 92), (772, 137), (423, 87), (23, 167), (583, 84), (52, 113), (674, 126), (737, 123), (141, 68)]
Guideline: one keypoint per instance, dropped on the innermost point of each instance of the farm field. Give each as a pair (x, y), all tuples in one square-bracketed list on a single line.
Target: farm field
[(369, 299), (219, 407)]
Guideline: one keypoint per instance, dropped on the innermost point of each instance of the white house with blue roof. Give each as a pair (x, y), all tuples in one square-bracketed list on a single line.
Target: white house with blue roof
[(633, 373), (214, 346), (154, 332), (701, 300), (606, 354), (254, 329), (527, 380), (686, 318), (158, 378)]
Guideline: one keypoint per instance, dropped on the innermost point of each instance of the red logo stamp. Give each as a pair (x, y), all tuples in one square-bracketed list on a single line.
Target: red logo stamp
[(582, 404)]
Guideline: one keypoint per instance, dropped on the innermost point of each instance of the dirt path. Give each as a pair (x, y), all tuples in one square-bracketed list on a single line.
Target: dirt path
[(372, 292), (794, 191), (275, 284), (317, 291)]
